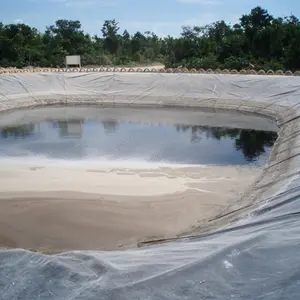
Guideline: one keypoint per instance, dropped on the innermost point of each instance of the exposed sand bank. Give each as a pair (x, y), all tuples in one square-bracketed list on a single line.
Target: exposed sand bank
[(58, 208)]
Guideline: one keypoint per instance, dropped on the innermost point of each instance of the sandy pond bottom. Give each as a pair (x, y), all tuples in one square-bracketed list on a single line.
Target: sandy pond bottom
[(62, 203)]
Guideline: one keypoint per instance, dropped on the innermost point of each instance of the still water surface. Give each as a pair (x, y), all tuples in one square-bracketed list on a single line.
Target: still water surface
[(79, 139)]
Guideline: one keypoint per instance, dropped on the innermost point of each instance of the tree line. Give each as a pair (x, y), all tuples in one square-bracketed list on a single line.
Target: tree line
[(259, 41)]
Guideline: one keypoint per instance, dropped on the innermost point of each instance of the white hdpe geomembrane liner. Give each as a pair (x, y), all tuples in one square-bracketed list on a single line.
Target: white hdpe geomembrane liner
[(255, 258)]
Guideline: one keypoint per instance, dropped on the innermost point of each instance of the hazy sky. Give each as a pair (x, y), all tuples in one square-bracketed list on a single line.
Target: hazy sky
[(161, 16)]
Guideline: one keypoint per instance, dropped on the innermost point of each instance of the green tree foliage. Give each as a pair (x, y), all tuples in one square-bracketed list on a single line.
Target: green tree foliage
[(259, 40)]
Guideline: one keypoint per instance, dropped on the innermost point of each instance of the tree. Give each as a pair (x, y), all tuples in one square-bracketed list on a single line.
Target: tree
[(110, 33), (258, 39)]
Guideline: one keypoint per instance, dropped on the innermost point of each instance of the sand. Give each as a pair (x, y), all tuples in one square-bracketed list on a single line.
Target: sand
[(61, 207)]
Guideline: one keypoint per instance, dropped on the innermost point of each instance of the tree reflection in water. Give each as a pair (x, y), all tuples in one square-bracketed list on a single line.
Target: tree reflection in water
[(73, 127), (69, 128), (250, 142), (18, 131), (110, 126)]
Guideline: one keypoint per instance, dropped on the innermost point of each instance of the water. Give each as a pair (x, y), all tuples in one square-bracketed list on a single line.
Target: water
[(113, 139)]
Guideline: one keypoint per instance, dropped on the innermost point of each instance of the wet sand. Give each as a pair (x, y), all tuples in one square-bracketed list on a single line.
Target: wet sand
[(59, 208)]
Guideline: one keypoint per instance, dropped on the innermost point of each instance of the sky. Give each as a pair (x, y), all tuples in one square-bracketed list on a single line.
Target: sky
[(164, 17)]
